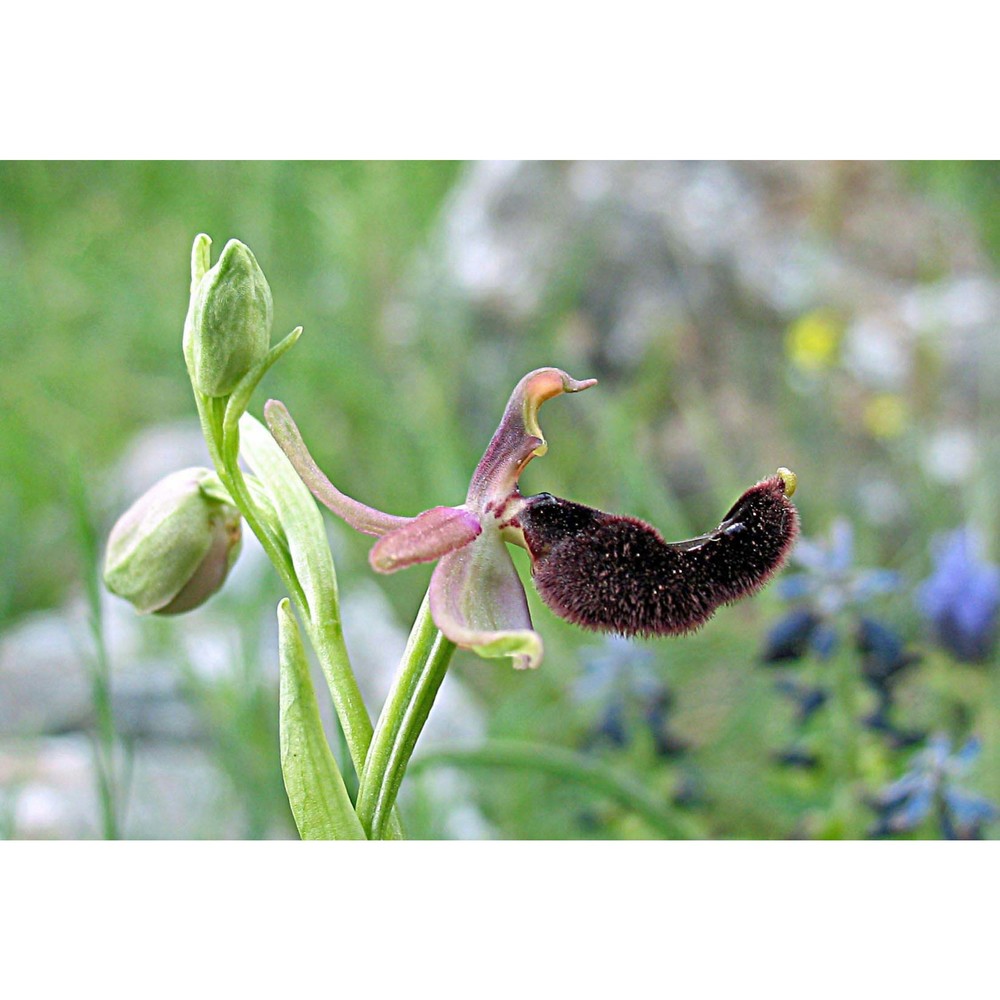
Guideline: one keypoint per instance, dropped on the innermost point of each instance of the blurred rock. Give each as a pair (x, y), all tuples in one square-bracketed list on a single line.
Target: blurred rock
[(43, 683), (701, 268), (175, 792), (660, 242)]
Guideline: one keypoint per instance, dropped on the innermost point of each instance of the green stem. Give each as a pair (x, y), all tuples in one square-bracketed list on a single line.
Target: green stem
[(317, 609), (422, 669), (232, 477), (321, 623), (569, 766), (844, 751), (327, 639), (105, 739), (211, 429)]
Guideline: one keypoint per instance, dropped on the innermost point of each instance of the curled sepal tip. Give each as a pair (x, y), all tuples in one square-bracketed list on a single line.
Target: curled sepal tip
[(519, 438), (617, 574)]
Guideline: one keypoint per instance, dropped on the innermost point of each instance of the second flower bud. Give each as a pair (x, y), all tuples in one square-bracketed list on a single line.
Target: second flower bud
[(174, 547)]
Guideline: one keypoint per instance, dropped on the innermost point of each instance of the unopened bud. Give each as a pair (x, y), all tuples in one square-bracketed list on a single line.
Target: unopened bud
[(173, 548), (229, 325)]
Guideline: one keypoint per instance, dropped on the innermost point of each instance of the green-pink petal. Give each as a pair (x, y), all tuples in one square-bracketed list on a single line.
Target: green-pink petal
[(478, 602)]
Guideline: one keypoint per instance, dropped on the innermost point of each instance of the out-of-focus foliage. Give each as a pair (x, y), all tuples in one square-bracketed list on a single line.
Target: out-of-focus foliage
[(969, 186), (830, 318), (94, 276)]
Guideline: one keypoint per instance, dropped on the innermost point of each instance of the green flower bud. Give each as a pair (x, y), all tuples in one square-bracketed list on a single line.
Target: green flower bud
[(229, 323), (173, 548)]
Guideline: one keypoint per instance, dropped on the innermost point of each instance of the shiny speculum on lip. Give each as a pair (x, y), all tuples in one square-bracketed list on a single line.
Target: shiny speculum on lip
[(617, 574)]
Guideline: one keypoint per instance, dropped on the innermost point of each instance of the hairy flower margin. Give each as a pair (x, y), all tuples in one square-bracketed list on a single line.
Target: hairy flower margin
[(601, 571)]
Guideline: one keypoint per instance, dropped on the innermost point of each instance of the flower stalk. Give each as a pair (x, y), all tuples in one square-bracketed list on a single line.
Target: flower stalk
[(283, 516), (424, 664)]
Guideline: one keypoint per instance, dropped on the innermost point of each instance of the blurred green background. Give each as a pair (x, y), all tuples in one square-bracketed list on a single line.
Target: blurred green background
[(839, 319)]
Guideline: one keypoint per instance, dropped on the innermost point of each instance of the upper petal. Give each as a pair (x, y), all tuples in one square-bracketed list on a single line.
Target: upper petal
[(428, 536), (518, 438), (359, 516), (478, 602)]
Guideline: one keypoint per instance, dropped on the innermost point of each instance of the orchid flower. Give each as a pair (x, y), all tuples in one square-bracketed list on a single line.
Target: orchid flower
[(601, 571)]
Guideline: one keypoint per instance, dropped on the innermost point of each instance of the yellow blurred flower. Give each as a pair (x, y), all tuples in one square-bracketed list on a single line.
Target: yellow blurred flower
[(812, 340), (885, 415)]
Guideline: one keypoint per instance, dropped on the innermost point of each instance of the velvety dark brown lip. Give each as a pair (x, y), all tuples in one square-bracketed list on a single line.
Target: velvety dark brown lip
[(617, 574)]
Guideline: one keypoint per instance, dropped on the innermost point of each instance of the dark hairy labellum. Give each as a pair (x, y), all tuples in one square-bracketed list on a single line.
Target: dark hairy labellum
[(617, 574)]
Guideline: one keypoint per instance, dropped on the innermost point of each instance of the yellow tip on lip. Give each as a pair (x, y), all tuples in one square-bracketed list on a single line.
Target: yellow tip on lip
[(790, 480)]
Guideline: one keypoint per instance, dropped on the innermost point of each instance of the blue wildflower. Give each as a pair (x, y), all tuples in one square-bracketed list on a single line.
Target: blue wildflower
[(807, 699), (610, 727), (828, 592), (620, 683), (883, 654), (791, 636), (827, 585), (878, 721), (961, 598), (657, 717), (883, 658), (798, 757), (829, 581), (929, 786), (616, 668)]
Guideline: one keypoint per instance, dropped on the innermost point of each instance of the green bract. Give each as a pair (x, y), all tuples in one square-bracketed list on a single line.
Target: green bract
[(173, 548), (229, 323)]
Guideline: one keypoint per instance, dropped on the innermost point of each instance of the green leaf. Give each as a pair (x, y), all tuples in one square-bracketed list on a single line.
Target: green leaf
[(302, 526), (316, 790), (299, 516)]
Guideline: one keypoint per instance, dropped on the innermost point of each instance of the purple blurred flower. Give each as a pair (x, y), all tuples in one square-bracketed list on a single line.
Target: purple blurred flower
[(961, 598), (791, 636)]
